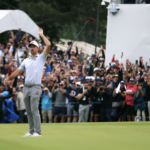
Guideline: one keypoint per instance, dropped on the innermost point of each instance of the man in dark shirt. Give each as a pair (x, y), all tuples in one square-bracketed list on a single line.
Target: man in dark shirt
[(71, 94), (119, 106), (105, 95), (84, 106), (4, 70)]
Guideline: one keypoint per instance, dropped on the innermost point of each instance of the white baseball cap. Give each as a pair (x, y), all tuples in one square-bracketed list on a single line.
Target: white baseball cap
[(21, 85), (34, 43), (78, 83), (87, 77), (95, 69)]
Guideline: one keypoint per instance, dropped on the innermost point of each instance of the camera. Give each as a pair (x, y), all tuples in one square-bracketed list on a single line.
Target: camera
[(103, 4), (101, 89)]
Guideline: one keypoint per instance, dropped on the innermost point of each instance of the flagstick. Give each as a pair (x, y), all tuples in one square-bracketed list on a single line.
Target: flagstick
[(79, 33)]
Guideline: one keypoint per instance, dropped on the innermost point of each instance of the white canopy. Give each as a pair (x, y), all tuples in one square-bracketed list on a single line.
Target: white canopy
[(15, 19)]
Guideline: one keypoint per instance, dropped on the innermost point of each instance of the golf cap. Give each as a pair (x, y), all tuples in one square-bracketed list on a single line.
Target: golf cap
[(93, 55), (60, 84), (140, 84), (122, 82), (116, 75), (75, 77), (87, 78), (96, 69), (92, 78), (69, 61), (102, 83), (72, 82), (78, 83), (98, 78), (21, 85), (73, 51), (34, 43)]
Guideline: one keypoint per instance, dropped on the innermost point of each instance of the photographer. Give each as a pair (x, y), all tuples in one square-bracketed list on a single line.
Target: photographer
[(118, 113), (139, 101), (60, 101), (84, 100), (105, 97)]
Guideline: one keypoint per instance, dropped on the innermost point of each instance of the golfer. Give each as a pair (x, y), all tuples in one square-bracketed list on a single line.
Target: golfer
[(33, 68)]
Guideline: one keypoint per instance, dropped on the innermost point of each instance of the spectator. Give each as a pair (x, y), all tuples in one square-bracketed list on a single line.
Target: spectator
[(139, 101), (119, 106), (60, 101), (84, 101), (20, 104), (105, 95), (47, 105), (130, 90), (148, 98), (71, 94)]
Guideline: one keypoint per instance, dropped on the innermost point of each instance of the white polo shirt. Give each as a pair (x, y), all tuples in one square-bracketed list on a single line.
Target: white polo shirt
[(33, 68)]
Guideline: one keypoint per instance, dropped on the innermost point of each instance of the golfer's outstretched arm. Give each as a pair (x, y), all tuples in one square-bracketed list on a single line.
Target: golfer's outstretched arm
[(13, 75), (46, 41)]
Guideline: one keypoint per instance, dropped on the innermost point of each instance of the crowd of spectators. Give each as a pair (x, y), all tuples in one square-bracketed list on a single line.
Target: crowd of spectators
[(77, 87)]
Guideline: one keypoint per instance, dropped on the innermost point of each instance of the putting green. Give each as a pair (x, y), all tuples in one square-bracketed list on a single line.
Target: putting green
[(78, 136)]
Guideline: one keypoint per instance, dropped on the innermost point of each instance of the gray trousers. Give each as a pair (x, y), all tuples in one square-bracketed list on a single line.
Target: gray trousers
[(83, 112), (31, 99)]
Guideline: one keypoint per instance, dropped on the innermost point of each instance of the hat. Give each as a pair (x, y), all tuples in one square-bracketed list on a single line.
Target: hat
[(122, 82), (113, 64), (92, 78), (101, 83), (140, 84), (21, 85), (72, 82), (48, 56), (55, 55), (78, 83), (1, 84), (96, 69), (34, 43), (45, 89), (116, 75), (98, 78), (93, 55), (73, 51), (87, 78), (75, 77), (69, 61)]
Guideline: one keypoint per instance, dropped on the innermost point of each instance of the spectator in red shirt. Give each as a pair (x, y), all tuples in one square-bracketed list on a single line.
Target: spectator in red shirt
[(130, 90)]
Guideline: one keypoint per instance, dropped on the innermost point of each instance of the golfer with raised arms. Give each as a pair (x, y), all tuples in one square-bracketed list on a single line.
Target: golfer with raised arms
[(33, 68)]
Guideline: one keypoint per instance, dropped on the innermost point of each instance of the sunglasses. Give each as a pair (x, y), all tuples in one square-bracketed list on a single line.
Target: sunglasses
[(131, 79)]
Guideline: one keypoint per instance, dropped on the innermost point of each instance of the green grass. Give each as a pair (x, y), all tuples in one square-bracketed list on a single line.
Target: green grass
[(78, 136)]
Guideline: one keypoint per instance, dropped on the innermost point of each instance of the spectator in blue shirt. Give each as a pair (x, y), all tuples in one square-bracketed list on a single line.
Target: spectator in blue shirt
[(139, 101), (46, 105)]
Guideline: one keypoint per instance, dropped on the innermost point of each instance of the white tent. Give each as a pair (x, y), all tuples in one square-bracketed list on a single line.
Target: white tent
[(15, 19)]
